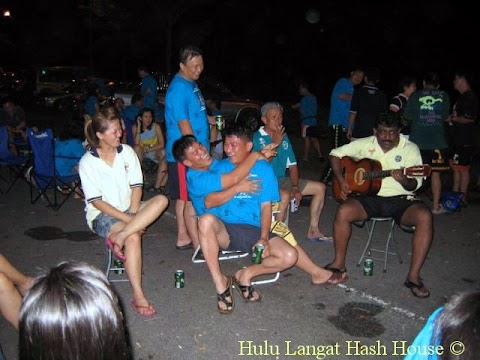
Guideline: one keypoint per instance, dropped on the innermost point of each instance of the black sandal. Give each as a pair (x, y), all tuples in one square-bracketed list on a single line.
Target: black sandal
[(248, 289), (223, 298), (343, 274), (412, 286)]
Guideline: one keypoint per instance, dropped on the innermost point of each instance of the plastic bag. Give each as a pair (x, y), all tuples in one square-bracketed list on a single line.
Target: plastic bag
[(451, 200)]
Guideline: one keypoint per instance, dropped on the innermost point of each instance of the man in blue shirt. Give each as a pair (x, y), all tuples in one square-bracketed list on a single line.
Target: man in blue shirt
[(340, 101), (148, 89), (129, 116), (185, 113), (291, 186), (236, 211)]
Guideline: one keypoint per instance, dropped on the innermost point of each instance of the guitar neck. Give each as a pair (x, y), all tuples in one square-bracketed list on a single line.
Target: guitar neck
[(376, 174)]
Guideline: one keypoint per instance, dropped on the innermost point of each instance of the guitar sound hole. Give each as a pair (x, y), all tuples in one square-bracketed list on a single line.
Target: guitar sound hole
[(358, 176)]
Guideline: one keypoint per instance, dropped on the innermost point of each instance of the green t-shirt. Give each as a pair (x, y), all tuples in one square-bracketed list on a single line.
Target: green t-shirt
[(426, 111)]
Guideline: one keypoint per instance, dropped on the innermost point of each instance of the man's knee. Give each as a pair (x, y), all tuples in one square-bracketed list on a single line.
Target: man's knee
[(206, 222)]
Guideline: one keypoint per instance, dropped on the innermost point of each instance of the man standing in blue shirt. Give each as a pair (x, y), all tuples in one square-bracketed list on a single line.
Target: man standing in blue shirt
[(129, 116), (185, 114), (340, 101), (148, 89)]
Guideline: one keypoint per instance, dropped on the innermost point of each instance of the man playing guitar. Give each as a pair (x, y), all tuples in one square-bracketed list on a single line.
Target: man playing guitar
[(394, 199)]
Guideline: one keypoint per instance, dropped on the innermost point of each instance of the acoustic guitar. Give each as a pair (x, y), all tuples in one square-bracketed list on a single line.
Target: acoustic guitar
[(365, 176)]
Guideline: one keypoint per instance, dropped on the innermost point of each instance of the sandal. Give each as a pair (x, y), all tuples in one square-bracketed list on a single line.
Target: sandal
[(412, 286), (337, 271), (242, 289), (223, 298), (334, 279)]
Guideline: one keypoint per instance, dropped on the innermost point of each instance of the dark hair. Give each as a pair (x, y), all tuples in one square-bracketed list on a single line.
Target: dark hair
[(238, 131), (73, 128), (142, 68), (459, 321), (388, 119), (140, 114), (432, 79), (71, 313), (100, 122), (136, 97), (466, 74), (372, 74), (405, 81), (189, 52), (181, 145)]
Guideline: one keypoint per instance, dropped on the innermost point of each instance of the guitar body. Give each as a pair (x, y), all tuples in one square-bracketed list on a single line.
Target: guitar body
[(353, 172)]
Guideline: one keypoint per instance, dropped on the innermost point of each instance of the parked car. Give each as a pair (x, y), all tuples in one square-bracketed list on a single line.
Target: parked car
[(68, 98), (235, 109)]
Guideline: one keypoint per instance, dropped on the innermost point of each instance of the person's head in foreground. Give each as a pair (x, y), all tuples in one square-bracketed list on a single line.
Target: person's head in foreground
[(71, 312)]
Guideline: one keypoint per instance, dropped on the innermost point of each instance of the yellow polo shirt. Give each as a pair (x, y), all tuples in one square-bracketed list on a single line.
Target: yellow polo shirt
[(404, 155)]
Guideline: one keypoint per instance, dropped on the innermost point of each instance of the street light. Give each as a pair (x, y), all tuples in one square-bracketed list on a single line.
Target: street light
[(6, 13)]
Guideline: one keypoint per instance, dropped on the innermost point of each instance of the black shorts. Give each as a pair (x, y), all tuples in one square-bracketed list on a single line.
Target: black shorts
[(392, 206), (437, 159), (462, 156), (177, 181), (243, 236)]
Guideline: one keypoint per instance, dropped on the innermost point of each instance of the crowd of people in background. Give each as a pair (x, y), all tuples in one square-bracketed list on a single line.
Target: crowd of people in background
[(205, 173)]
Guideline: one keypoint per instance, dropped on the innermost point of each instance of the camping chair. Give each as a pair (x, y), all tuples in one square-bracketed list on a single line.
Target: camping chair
[(229, 255), (44, 176), (15, 164)]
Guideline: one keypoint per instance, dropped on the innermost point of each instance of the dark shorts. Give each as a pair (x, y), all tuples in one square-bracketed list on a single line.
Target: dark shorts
[(243, 236), (177, 181), (437, 159), (393, 206), (462, 158)]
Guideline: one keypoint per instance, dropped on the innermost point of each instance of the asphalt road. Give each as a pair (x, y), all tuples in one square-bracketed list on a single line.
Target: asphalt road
[(293, 317)]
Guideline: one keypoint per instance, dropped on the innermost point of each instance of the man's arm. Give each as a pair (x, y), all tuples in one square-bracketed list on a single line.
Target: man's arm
[(335, 163), (218, 198), (351, 122), (185, 127), (265, 222)]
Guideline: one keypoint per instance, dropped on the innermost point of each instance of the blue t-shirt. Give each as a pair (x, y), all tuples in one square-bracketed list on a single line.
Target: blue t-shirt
[(425, 339), (245, 208), (285, 155), (150, 99), (340, 109), (67, 155), (308, 109), (200, 183), (90, 105), (185, 101), (129, 116)]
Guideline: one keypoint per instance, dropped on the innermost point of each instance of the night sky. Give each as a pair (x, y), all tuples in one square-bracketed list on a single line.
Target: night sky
[(260, 48)]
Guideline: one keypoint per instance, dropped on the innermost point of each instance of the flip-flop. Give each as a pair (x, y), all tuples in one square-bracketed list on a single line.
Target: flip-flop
[(150, 311), (184, 247), (412, 286), (321, 239), (334, 279), (111, 246)]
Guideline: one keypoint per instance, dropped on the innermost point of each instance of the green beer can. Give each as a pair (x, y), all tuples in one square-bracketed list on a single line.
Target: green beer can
[(257, 254), (368, 267), (179, 279), (118, 266), (219, 122)]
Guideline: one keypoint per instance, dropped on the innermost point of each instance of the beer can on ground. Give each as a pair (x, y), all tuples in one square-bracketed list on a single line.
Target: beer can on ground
[(257, 254), (368, 267), (219, 122), (179, 279), (118, 266), (293, 205)]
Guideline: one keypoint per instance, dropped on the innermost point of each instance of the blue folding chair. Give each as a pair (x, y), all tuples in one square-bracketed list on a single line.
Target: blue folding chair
[(44, 176), (15, 164)]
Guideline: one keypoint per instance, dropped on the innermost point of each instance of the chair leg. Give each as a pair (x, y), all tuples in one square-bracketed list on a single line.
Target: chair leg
[(108, 266), (370, 230)]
